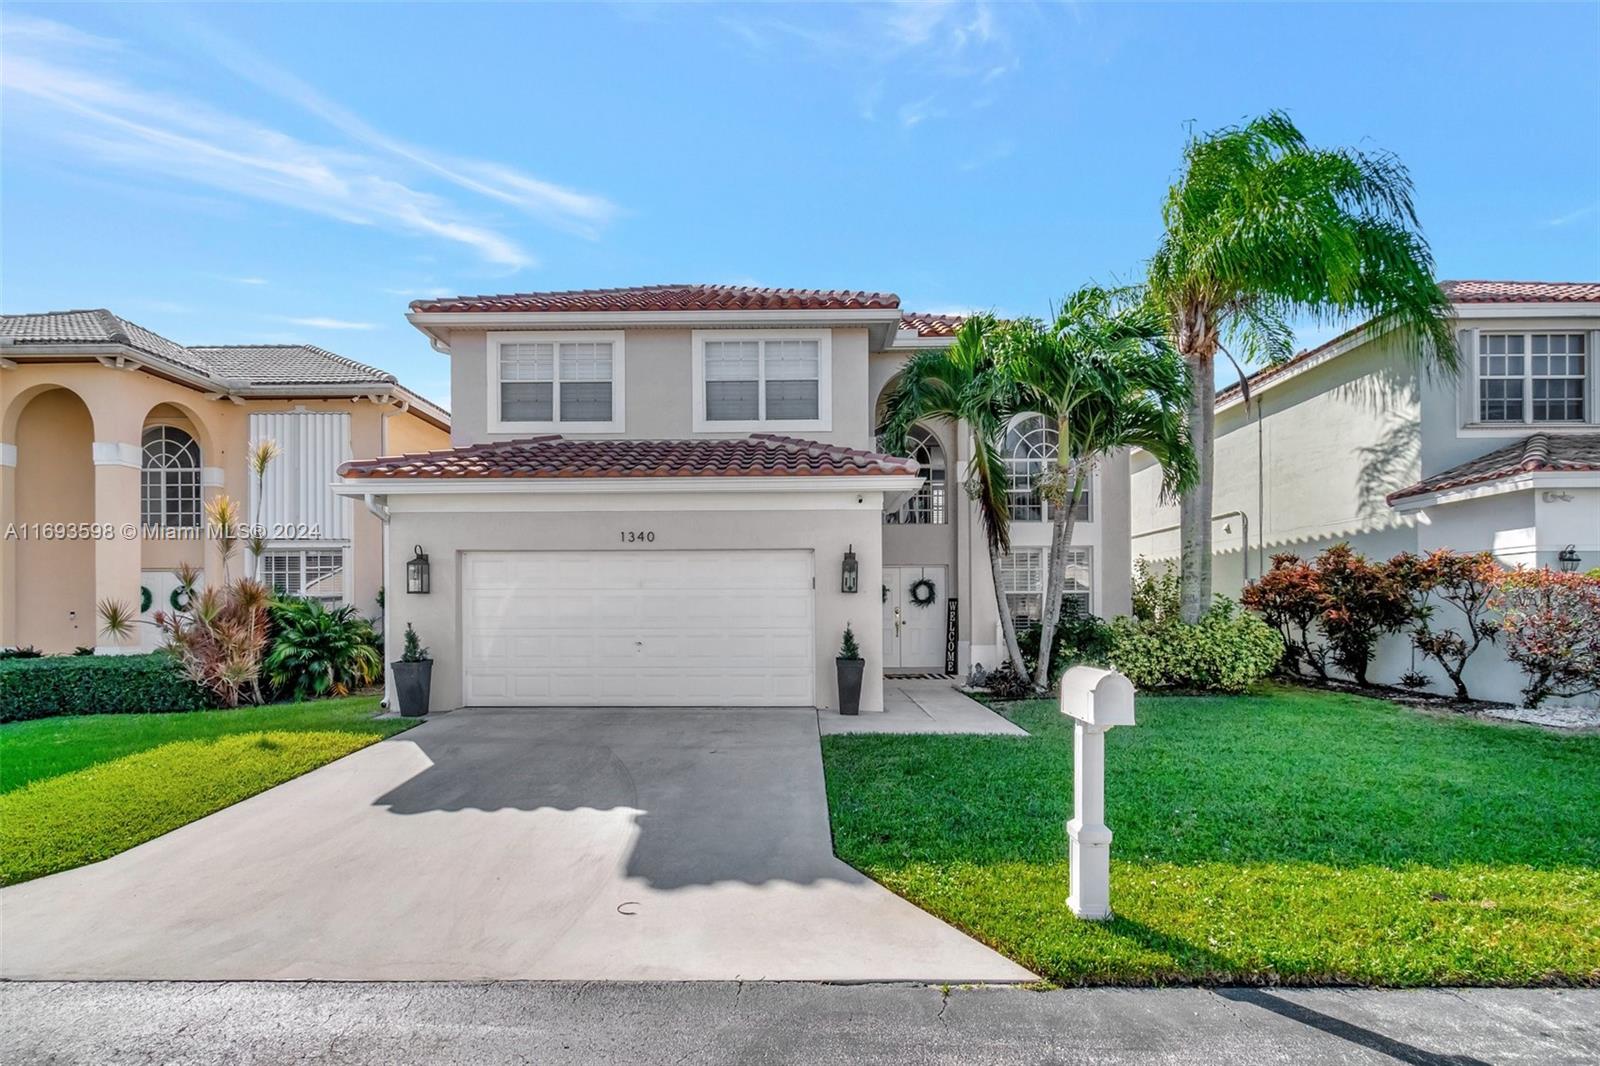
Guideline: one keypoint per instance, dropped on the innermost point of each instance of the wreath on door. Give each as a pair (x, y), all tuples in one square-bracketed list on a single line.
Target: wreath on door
[(179, 599), (145, 599), (922, 592)]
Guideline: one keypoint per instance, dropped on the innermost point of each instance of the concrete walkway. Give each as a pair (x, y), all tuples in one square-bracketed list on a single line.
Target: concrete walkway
[(921, 705), (818, 1025), (598, 844)]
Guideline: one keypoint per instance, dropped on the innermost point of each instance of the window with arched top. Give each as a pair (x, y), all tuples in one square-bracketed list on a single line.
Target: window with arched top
[(169, 478), (1030, 449), (926, 508)]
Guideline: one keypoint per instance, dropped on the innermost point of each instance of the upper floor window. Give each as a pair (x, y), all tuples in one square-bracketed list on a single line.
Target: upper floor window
[(1532, 377), (169, 478), (747, 380), (556, 381), (926, 508), (1023, 578), (1030, 450)]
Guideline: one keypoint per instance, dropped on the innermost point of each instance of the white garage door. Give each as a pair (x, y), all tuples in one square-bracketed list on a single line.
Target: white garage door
[(622, 628)]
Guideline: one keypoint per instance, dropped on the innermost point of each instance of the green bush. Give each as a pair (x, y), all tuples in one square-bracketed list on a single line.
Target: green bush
[(96, 684), (1079, 639), (1228, 651), (317, 652)]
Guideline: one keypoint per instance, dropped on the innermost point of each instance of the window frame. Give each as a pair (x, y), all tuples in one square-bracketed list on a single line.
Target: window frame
[(935, 493), (1473, 384), (824, 420), (1085, 503), (1087, 592), (556, 338), (162, 475), (301, 551)]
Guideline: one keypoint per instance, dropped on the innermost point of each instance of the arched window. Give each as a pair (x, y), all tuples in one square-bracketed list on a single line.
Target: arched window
[(926, 508), (169, 480), (1030, 449)]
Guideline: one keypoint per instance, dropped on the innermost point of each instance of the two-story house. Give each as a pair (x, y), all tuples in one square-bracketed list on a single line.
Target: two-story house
[(113, 438), (1350, 441), (670, 495)]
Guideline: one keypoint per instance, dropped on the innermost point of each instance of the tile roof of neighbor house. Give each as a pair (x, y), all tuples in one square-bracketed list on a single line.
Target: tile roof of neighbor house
[(262, 365), (928, 325), (666, 298), (1536, 453), (1461, 292), (554, 456)]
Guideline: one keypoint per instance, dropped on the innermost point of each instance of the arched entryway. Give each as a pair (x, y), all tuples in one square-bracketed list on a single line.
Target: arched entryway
[(54, 604)]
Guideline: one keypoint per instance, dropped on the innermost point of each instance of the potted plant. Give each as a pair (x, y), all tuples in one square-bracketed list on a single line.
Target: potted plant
[(850, 664), (413, 676)]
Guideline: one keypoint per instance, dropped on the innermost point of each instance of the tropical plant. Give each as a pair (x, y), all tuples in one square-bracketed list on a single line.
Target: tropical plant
[(1155, 592), (1260, 227), (1463, 581), (316, 652), (964, 384), (1289, 596), (117, 618), (220, 639), (1362, 601), (260, 457), (1105, 377), (1551, 622), (222, 525), (27, 651)]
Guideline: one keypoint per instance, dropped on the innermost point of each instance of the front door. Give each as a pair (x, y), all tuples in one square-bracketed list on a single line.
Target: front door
[(913, 618)]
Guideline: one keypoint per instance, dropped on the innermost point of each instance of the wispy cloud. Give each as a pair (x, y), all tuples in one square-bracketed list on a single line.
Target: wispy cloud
[(248, 281), (317, 322), (80, 100), (1572, 216)]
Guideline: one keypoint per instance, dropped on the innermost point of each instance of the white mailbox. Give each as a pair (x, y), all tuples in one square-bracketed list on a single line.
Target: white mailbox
[(1095, 700)]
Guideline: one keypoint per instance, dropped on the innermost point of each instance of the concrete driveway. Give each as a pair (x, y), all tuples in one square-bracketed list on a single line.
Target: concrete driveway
[(596, 844)]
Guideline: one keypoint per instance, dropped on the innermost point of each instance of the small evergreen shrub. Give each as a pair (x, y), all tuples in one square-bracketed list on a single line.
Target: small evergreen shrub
[(848, 648), (96, 684), (1227, 651)]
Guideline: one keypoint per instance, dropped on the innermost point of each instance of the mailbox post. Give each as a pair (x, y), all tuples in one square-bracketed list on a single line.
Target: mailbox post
[(1095, 700)]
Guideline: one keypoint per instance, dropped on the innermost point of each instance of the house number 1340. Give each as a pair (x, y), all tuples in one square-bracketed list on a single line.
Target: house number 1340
[(638, 536)]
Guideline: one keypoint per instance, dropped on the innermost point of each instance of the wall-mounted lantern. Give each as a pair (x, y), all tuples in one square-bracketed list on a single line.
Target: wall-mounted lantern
[(850, 575), (1569, 559), (418, 578)]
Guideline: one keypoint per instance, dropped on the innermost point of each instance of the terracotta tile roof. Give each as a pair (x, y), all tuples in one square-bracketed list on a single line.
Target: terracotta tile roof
[(928, 325), (1539, 452), (1266, 374), (1515, 292), (667, 298), (759, 455)]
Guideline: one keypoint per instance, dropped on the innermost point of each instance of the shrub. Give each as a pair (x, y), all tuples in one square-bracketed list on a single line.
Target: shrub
[(1362, 602), (1156, 594), (220, 639), (1552, 628), (316, 652), (1004, 683), (1289, 597), (27, 651), (1461, 580), (1080, 639), (1227, 651), (96, 684)]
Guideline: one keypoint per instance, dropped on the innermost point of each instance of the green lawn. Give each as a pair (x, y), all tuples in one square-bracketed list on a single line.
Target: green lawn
[(1289, 836), (77, 790)]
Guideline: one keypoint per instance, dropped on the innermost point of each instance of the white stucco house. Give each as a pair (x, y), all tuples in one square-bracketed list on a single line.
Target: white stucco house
[(654, 495), (1350, 442)]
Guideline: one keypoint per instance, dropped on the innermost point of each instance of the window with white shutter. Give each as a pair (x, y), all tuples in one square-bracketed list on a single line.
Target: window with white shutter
[(755, 380), (549, 381)]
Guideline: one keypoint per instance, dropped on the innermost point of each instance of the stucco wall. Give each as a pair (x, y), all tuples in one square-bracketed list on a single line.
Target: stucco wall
[(659, 382), (825, 523), (55, 483)]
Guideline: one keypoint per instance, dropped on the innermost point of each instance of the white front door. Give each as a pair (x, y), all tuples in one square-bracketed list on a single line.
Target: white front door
[(638, 628), (913, 633)]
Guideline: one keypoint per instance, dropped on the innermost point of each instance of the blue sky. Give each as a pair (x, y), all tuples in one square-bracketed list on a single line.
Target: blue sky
[(291, 172)]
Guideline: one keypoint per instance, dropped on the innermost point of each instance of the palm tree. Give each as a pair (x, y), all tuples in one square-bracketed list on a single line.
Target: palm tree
[(1261, 227), (962, 385), (1104, 375)]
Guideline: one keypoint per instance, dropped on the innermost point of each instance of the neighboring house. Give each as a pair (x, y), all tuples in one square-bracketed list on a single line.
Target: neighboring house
[(1349, 442), (112, 438), (670, 495)]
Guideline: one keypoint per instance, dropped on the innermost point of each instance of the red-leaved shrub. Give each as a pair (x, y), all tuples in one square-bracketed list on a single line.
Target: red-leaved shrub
[(1551, 623)]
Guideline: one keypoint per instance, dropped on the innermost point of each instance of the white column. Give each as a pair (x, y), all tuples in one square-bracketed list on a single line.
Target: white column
[(1089, 852)]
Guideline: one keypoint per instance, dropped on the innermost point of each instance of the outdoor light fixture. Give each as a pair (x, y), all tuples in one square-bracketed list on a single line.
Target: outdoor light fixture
[(1568, 559), (418, 578), (850, 576)]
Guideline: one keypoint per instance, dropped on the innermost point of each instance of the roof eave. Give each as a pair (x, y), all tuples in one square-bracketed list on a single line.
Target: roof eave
[(881, 323), (720, 483), (1520, 481)]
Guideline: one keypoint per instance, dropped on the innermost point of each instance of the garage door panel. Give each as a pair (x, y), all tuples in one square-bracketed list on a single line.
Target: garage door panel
[(625, 627)]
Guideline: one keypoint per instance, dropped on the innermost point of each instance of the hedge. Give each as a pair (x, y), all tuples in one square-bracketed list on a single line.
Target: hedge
[(1228, 651), (96, 684)]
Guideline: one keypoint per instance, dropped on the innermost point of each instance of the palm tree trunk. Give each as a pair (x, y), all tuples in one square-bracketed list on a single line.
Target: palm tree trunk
[(1062, 518), (1008, 628), (1194, 509)]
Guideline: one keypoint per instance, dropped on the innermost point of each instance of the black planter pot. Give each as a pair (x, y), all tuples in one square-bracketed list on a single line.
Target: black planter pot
[(411, 684), (850, 684)]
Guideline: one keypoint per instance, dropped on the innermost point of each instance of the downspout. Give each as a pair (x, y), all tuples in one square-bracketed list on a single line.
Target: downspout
[(381, 512)]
